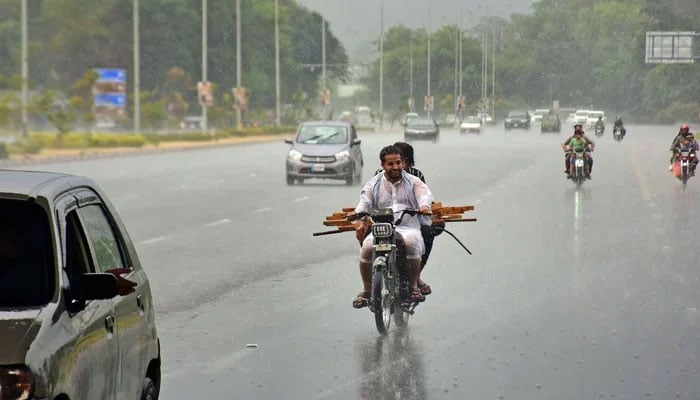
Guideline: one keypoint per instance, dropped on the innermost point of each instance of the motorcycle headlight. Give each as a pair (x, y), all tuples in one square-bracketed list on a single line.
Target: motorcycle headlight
[(16, 383), (294, 155), (343, 155), (382, 230)]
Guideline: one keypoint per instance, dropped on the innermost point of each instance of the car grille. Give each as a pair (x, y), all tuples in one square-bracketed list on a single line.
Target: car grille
[(318, 159), (327, 171)]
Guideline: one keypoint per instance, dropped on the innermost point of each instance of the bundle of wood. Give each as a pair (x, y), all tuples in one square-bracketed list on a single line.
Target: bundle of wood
[(346, 219)]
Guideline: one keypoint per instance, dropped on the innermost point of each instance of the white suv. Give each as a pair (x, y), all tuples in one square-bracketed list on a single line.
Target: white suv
[(581, 117)]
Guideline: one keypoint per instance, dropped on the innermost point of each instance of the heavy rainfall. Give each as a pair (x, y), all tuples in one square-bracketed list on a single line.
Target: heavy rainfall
[(233, 139)]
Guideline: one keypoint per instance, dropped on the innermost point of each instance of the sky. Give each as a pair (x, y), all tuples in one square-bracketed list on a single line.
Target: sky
[(357, 23)]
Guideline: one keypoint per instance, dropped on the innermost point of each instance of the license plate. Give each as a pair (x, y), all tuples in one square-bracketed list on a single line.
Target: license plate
[(516, 124), (382, 247), (318, 167)]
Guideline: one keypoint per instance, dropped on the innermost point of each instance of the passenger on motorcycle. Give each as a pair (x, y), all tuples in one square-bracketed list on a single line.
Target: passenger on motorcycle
[(396, 189), (688, 143), (407, 155), (578, 140), (682, 132)]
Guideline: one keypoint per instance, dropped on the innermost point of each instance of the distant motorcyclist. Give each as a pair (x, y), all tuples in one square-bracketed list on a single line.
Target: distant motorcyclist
[(599, 124), (578, 141), (684, 134), (619, 126)]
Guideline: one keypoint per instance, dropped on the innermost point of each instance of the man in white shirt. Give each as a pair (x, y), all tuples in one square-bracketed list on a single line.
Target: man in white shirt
[(398, 190)]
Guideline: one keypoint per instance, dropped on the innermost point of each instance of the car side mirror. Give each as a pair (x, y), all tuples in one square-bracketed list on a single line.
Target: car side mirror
[(288, 141), (97, 286), (356, 142)]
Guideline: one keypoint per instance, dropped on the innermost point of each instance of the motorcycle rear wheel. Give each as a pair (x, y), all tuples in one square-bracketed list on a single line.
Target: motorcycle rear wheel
[(381, 301)]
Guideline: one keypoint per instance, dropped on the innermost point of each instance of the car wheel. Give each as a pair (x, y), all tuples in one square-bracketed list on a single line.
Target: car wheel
[(150, 390), (290, 180)]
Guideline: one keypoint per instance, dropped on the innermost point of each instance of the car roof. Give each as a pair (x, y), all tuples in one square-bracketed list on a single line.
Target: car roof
[(325, 123), (33, 184)]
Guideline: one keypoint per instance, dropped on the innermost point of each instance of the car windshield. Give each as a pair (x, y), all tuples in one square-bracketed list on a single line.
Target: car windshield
[(516, 114), (595, 115), (421, 122), (581, 113), (322, 134), (471, 119), (26, 255)]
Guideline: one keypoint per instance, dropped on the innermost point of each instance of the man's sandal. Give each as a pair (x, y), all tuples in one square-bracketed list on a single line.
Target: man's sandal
[(425, 289), (362, 300), (416, 296)]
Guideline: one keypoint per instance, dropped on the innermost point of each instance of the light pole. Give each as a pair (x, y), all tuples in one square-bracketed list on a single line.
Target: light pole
[(411, 104), (25, 72), (137, 76), (238, 59), (428, 32), (381, 68), (204, 63), (323, 54), (460, 56), (277, 64)]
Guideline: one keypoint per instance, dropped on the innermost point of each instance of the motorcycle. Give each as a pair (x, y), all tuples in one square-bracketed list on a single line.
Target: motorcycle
[(578, 166), (389, 296), (599, 129), (682, 168), (619, 133)]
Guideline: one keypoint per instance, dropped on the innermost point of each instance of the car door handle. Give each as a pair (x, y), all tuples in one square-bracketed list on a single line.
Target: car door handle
[(109, 323), (139, 303)]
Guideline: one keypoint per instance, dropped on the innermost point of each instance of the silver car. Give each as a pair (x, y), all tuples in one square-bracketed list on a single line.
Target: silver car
[(325, 149)]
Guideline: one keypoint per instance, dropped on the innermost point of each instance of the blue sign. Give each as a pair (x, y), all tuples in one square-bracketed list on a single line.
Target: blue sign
[(110, 99), (111, 75)]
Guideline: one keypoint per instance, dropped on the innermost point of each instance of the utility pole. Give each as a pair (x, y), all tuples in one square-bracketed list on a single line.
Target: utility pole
[(381, 68), (137, 73), (238, 58), (323, 54), (460, 56), (25, 72), (428, 32), (456, 100), (204, 62), (411, 102), (277, 63), (493, 74)]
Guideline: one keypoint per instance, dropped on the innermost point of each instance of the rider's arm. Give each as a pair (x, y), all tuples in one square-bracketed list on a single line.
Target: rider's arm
[(424, 196), (589, 141), (566, 142)]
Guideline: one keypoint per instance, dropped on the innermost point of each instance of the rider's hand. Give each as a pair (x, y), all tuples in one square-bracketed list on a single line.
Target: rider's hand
[(361, 232), (425, 210)]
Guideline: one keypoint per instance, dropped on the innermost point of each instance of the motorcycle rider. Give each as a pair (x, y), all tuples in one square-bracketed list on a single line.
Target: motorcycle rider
[(578, 140), (682, 132), (399, 190), (687, 143), (426, 228), (619, 125), (600, 125)]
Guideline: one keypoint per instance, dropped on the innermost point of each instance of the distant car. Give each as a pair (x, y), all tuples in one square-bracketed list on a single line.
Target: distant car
[(538, 114), (517, 119), (593, 118), (408, 116), (191, 122), (421, 128), (486, 118), (581, 117), (325, 149), (76, 314), (550, 123), (471, 123)]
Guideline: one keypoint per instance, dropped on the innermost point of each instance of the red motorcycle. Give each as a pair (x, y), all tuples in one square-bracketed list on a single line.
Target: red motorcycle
[(683, 164)]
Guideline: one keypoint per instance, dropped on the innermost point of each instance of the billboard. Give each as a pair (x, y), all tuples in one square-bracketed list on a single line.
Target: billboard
[(109, 95), (670, 48)]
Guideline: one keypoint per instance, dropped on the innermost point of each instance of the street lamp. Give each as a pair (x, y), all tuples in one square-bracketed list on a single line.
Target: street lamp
[(137, 76), (204, 62), (430, 105), (277, 64), (238, 59), (381, 68), (25, 72)]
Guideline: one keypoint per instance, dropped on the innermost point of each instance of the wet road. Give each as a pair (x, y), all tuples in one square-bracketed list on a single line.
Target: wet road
[(569, 294)]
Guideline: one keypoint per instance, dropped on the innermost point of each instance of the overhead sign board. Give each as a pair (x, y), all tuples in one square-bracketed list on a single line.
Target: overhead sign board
[(670, 48)]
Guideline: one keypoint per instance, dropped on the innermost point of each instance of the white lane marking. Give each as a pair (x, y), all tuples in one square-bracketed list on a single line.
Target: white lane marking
[(154, 240), (300, 199), (259, 210), (219, 222)]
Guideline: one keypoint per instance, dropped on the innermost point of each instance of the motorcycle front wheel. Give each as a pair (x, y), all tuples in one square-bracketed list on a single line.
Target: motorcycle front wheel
[(401, 313), (381, 300)]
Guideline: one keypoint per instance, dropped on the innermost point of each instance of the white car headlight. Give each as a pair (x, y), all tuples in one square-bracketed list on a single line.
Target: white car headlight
[(294, 155), (16, 383), (343, 155)]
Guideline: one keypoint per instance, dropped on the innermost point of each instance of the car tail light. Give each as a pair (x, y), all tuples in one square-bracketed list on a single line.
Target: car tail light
[(16, 383)]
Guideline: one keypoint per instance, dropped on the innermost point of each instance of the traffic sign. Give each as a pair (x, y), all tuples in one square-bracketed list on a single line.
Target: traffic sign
[(670, 48), (110, 100), (111, 75)]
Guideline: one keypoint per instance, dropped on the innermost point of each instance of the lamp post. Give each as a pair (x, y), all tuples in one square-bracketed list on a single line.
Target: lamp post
[(204, 62), (277, 64), (25, 72), (137, 75), (381, 68), (428, 32)]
